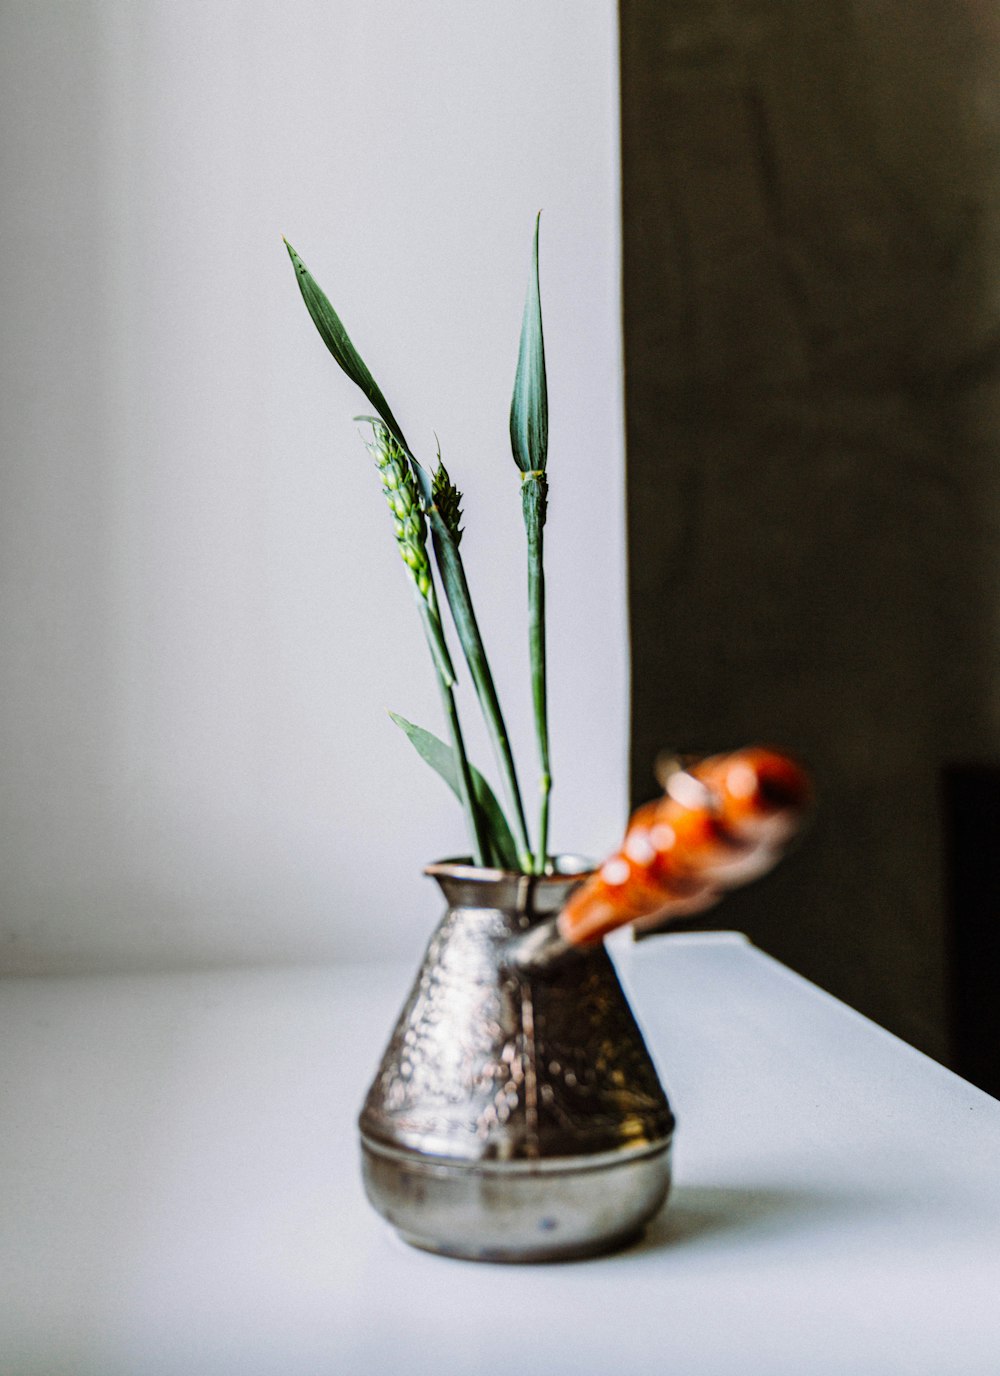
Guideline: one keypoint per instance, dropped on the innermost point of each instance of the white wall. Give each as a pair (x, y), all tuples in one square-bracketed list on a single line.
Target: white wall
[(203, 614)]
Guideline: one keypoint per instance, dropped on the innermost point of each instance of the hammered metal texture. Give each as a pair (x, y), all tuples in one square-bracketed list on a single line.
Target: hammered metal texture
[(486, 1064)]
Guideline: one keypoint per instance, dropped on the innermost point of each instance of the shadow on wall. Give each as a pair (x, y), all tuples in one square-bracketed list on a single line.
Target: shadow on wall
[(812, 314)]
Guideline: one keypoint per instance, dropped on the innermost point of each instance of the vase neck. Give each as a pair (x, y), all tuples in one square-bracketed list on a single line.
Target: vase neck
[(469, 886)]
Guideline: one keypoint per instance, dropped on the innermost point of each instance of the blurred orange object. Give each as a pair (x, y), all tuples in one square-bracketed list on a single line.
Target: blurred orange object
[(720, 823)]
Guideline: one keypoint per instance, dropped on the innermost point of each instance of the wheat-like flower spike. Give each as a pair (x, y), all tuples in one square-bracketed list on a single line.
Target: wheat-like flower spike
[(400, 491), (448, 501)]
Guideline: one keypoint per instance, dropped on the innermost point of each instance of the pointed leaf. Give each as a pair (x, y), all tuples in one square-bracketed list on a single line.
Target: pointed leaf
[(529, 409), (441, 757), (337, 340)]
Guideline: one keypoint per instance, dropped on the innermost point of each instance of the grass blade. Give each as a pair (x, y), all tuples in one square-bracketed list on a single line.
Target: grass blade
[(337, 340), (500, 846), (529, 407)]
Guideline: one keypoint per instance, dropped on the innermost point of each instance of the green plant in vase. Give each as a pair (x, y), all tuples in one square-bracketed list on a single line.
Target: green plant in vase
[(426, 511)]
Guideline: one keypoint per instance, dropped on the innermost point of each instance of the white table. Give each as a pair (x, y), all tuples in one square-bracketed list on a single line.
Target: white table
[(180, 1191)]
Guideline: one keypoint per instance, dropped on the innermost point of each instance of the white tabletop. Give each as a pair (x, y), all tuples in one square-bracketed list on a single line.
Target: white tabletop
[(180, 1187)]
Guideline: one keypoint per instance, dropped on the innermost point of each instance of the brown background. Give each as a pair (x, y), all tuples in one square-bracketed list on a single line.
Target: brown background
[(812, 316)]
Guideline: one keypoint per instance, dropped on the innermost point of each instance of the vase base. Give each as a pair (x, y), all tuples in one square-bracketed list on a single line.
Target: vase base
[(517, 1211), (527, 1256)]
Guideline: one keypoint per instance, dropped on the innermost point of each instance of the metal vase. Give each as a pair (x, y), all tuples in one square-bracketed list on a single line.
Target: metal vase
[(514, 1116)]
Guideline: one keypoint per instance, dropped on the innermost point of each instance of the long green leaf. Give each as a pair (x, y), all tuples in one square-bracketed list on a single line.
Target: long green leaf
[(337, 340), (529, 408), (441, 757)]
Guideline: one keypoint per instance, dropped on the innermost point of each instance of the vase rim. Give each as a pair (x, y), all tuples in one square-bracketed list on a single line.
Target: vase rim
[(566, 867)]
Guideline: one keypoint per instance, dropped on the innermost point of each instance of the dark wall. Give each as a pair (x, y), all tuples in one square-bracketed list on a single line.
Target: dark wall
[(812, 325)]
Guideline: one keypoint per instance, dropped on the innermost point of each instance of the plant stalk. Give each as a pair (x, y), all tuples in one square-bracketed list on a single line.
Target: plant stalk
[(529, 442), (534, 489), (399, 486), (460, 602), (470, 807)]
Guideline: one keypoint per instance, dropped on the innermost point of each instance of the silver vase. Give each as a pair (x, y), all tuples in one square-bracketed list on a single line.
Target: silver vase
[(515, 1116)]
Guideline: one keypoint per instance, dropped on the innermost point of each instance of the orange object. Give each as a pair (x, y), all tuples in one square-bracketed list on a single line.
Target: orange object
[(720, 823)]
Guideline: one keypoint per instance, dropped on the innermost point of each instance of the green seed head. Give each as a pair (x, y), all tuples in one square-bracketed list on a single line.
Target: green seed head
[(400, 491), (448, 501)]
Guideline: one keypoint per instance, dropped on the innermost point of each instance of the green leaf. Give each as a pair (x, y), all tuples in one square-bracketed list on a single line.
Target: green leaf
[(337, 340), (441, 757), (529, 408)]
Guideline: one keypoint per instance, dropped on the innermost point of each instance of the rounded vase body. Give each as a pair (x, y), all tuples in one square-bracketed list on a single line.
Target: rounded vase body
[(514, 1117)]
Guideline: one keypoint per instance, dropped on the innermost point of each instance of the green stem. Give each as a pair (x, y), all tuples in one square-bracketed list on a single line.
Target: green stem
[(534, 491), (460, 601), (434, 632), (402, 493), (477, 836)]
